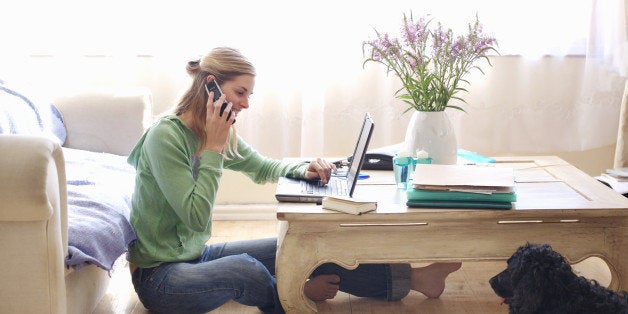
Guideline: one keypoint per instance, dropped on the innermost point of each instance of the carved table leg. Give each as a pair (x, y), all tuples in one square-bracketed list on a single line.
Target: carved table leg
[(294, 264)]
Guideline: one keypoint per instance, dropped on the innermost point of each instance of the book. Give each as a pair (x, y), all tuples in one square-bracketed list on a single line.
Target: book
[(349, 205), (619, 186), (614, 178), (426, 195), (617, 174), (468, 157), (464, 178), (459, 204)]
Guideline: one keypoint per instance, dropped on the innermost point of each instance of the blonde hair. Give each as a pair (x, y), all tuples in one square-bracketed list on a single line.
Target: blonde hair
[(225, 64)]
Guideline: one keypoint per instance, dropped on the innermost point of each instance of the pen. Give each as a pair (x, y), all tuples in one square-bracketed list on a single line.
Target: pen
[(337, 163), (344, 174)]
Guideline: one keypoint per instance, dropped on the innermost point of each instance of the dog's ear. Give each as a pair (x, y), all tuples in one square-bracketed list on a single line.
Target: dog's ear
[(529, 290), (531, 282), (519, 263)]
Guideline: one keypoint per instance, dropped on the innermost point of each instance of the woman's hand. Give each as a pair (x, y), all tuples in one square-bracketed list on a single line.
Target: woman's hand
[(216, 126), (320, 169)]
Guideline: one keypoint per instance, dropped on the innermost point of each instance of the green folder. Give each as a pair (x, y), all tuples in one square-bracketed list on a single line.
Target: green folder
[(459, 204), (425, 195)]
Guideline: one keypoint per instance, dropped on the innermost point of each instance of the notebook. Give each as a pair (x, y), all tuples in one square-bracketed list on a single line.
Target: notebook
[(464, 178), (304, 191)]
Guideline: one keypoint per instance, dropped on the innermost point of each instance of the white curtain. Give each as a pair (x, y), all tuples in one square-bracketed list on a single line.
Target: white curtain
[(556, 85)]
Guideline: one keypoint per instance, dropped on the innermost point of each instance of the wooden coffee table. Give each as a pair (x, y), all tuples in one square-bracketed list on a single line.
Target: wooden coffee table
[(556, 204)]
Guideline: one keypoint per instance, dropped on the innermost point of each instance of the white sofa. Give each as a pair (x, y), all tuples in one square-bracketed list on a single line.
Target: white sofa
[(33, 203)]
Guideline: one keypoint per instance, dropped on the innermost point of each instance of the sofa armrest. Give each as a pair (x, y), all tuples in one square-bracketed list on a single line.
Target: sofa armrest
[(33, 225), (110, 122), (32, 176)]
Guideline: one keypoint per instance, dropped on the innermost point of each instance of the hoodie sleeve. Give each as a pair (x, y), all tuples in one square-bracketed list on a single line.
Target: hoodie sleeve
[(260, 168)]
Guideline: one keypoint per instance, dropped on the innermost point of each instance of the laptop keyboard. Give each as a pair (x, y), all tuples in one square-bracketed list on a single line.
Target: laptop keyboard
[(333, 187)]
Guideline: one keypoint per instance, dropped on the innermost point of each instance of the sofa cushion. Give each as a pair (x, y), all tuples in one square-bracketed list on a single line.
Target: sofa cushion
[(22, 112)]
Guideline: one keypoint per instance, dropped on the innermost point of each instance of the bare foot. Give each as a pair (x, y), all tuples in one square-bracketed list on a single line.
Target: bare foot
[(322, 287), (430, 280)]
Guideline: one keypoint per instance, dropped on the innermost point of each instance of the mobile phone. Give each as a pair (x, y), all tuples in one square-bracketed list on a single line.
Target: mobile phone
[(213, 87)]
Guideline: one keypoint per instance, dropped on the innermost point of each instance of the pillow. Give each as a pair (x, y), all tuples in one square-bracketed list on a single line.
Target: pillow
[(23, 113)]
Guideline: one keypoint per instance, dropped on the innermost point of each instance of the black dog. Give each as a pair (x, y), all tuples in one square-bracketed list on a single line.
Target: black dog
[(539, 280)]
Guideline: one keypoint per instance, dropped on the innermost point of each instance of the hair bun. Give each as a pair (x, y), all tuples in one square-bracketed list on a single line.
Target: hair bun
[(192, 66)]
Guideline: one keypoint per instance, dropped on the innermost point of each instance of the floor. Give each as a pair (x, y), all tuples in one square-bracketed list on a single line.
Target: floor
[(467, 290)]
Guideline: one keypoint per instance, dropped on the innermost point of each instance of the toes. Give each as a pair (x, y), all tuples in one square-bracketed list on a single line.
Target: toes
[(322, 287)]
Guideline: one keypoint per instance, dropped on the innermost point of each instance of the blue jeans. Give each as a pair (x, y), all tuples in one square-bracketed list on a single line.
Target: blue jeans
[(244, 271)]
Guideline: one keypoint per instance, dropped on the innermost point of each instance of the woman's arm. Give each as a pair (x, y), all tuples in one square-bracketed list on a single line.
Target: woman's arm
[(262, 169), (188, 182)]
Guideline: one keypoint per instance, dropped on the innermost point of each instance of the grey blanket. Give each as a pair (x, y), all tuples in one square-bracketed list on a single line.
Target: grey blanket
[(99, 186)]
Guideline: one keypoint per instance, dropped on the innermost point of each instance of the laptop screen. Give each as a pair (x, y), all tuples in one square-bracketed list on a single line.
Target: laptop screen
[(360, 151), (295, 190)]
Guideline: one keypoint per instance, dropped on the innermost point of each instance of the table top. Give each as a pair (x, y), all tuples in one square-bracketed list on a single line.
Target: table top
[(546, 186)]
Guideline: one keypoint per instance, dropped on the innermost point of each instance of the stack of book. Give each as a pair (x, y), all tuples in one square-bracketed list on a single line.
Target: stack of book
[(616, 175), (616, 178), (462, 186)]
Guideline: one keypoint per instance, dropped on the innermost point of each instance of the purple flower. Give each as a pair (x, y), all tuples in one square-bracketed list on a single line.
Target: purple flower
[(377, 55), (430, 62), (409, 34), (458, 48), (412, 63)]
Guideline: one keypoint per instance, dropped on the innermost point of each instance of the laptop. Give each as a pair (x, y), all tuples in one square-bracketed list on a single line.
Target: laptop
[(311, 191)]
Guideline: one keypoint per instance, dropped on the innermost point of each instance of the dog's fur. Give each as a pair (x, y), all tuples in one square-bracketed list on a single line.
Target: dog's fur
[(539, 280)]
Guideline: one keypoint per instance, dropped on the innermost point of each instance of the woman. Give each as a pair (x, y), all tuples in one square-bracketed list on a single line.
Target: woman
[(179, 162)]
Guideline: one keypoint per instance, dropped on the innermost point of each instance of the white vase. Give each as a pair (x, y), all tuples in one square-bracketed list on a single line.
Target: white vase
[(433, 133)]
